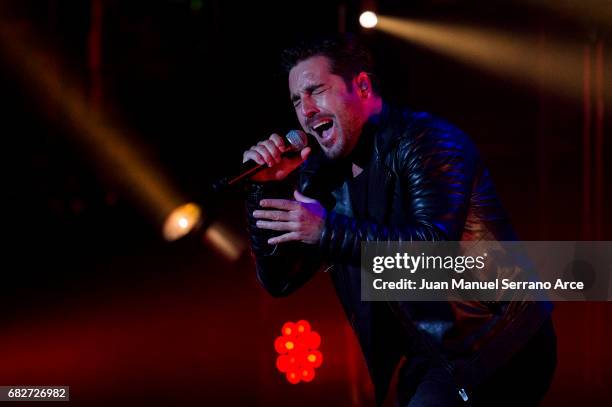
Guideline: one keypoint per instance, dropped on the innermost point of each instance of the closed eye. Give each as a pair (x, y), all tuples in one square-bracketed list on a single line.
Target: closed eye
[(310, 90)]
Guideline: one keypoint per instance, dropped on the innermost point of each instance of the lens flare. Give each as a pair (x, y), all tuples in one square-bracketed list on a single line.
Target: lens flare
[(368, 19), (181, 221), (523, 57)]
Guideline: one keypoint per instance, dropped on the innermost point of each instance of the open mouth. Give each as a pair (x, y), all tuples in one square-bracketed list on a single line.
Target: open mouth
[(324, 129)]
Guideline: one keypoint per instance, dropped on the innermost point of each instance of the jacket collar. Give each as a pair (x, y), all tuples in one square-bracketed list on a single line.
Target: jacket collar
[(387, 131), (378, 137), (379, 177)]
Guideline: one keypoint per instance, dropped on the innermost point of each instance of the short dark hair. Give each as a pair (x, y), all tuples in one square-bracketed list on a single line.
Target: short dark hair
[(347, 55)]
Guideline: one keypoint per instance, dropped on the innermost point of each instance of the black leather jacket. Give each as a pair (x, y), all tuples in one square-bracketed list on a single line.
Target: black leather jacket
[(425, 182)]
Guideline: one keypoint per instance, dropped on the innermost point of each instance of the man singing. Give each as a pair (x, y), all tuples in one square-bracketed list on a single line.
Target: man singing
[(380, 173)]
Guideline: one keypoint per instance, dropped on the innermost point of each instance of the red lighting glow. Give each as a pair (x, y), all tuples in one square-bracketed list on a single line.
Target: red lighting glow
[(298, 355)]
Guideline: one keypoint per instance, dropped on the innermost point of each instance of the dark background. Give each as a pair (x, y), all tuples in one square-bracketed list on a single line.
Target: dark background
[(94, 298)]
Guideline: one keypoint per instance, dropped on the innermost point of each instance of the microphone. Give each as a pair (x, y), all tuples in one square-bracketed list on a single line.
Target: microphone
[(296, 140)]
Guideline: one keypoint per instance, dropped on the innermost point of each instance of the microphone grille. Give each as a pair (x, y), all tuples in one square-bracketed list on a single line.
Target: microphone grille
[(297, 139)]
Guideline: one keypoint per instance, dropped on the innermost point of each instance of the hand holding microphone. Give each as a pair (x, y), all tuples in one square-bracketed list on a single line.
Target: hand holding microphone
[(300, 219), (270, 160), (275, 158)]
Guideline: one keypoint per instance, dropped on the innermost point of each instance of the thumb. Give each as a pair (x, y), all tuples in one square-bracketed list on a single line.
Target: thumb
[(305, 153), (302, 198)]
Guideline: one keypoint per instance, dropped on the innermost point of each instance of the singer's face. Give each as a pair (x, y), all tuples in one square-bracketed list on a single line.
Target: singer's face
[(326, 108)]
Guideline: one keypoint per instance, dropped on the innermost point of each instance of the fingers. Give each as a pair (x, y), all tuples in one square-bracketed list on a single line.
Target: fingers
[(302, 198), (283, 204), (270, 151), (254, 155), (305, 153), (272, 215), (302, 219), (280, 226), (266, 151), (278, 142), (263, 152), (287, 237)]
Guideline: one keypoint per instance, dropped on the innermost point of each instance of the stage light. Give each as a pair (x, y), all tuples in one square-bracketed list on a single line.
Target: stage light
[(288, 328), (308, 374), (293, 377), (181, 221), (555, 65), (368, 19), (298, 355), (303, 326), (117, 154), (314, 359), (226, 241)]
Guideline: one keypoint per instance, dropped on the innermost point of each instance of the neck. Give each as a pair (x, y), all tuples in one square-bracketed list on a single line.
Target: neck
[(374, 106), (362, 151)]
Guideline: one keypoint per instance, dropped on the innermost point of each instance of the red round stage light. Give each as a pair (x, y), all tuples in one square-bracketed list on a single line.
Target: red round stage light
[(307, 374), (312, 340), (293, 377), (314, 359), (282, 364), (285, 363), (289, 329), (302, 327), (297, 347), (279, 345)]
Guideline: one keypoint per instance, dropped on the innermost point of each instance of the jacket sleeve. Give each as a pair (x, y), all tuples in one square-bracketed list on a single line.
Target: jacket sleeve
[(283, 268), (436, 169)]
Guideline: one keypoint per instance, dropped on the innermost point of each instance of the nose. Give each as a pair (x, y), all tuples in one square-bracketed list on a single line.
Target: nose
[(308, 107)]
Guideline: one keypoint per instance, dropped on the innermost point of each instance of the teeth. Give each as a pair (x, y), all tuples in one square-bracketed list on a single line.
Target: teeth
[(321, 124)]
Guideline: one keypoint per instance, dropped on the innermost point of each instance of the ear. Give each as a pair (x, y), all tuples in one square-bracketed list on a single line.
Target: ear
[(363, 84)]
